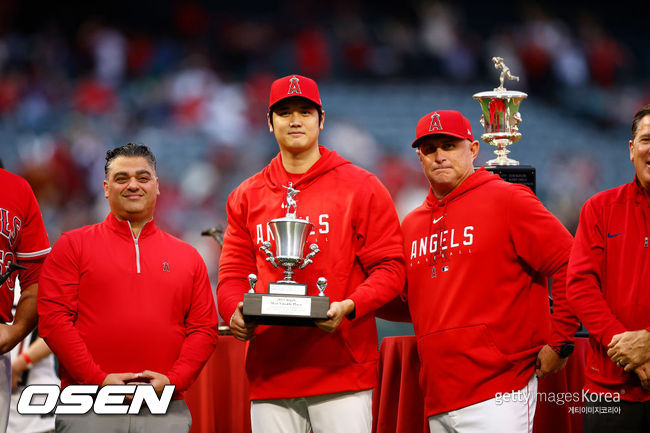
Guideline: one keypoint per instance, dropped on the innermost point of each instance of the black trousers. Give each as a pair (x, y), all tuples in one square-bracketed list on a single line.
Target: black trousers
[(621, 417)]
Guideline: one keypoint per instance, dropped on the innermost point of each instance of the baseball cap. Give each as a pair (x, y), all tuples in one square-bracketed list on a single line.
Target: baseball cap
[(294, 85), (446, 122)]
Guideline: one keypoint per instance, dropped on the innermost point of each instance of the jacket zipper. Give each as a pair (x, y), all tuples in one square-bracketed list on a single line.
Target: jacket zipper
[(137, 247)]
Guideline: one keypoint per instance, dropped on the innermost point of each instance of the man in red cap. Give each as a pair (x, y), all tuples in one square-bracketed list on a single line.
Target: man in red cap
[(312, 378), (479, 251)]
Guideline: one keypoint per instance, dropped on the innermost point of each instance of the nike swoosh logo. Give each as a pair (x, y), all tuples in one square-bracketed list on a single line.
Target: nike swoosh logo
[(435, 220), (614, 235)]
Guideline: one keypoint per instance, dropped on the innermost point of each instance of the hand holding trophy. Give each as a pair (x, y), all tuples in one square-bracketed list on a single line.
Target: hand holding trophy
[(287, 302)]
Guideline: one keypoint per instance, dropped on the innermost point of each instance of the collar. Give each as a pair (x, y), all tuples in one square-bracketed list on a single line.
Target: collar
[(124, 228)]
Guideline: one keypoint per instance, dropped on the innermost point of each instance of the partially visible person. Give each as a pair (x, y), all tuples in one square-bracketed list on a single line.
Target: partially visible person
[(479, 254), (123, 301), (24, 242), (609, 289), (32, 363)]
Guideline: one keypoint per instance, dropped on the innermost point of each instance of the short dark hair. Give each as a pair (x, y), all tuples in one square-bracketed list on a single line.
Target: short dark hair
[(320, 111), (129, 150), (644, 111)]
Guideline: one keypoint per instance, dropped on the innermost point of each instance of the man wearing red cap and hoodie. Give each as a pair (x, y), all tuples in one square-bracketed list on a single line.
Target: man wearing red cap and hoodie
[(479, 251), (317, 378)]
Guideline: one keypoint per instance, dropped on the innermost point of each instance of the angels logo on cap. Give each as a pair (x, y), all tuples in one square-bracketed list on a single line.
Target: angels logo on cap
[(294, 86), (435, 122), (444, 122)]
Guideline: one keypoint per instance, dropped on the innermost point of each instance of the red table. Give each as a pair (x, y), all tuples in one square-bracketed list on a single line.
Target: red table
[(219, 398)]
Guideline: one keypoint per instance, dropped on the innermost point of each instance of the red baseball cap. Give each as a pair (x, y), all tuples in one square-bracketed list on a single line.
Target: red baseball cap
[(292, 86), (446, 122)]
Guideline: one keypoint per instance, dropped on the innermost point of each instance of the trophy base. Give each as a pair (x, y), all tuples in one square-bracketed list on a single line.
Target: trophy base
[(523, 174), (496, 162), (286, 310)]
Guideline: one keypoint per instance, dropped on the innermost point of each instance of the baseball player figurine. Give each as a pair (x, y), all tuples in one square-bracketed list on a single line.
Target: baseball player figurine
[(291, 201), (22, 239), (505, 73), (319, 378)]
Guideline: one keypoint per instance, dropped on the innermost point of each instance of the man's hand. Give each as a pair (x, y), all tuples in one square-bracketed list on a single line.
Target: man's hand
[(18, 366), (118, 378), (643, 371), (10, 335), (630, 349), (241, 330), (158, 380), (548, 361), (336, 313)]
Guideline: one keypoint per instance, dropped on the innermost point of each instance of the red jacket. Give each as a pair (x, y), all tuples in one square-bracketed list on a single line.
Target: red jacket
[(109, 303), (23, 238), (609, 281), (357, 230), (477, 267)]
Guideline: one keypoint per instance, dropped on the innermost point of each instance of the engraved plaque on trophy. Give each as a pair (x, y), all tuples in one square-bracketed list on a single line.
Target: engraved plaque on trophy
[(286, 301), (500, 118)]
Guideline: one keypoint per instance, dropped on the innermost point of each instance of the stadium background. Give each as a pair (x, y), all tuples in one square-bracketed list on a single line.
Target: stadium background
[(191, 79)]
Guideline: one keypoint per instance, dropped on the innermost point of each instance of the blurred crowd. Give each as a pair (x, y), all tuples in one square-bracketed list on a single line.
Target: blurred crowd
[(190, 79)]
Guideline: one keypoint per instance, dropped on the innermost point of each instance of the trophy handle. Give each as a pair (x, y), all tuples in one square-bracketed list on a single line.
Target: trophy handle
[(266, 248), (314, 250)]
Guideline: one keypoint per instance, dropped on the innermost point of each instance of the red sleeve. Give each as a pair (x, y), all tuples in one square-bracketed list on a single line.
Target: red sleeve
[(30, 275), (545, 244), (380, 249), (200, 331), (58, 292), (237, 259), (584, 277), (33, 237)]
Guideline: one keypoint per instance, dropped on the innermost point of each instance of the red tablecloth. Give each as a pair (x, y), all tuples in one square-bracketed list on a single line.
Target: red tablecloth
[(219, 398)]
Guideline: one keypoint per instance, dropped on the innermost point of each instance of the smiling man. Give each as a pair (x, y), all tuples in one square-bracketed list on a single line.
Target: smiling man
[(479, 252), (609, 289), (312, 378), (124, 302)]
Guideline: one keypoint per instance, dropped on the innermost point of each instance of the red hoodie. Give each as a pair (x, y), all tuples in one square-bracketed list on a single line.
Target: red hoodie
[(477, 267), (609, 281), (112, 303), (357, 230)]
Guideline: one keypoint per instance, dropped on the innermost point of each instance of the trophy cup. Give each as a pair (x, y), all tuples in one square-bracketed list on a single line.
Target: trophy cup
[(286, 302), (500, 118)]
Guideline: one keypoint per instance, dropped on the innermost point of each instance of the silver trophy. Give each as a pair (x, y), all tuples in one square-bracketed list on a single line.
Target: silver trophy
[(290, 234), (501, 117), (287, 302)]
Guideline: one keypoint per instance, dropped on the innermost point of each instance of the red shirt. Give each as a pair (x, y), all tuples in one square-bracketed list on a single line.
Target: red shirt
[(477, 268), (357, 230), (109, 304), (23, 238), (609, 281)]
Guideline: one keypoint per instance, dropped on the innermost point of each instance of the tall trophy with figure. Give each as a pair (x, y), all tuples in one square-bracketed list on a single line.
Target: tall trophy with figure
[(500, 119), (286, 301)]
